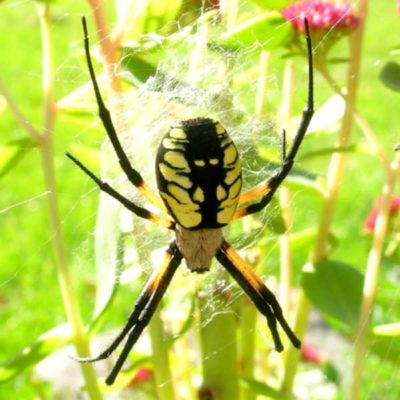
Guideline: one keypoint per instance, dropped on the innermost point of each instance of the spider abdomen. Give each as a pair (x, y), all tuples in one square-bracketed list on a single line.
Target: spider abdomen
[(198, 174)]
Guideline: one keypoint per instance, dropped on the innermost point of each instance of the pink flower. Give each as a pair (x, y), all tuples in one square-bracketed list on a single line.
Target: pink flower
[(310, 354), (321, 15), (142, 375), (398, 6), (369, 223)]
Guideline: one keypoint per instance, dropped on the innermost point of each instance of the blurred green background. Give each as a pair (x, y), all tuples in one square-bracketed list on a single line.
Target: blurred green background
[(30, 301)]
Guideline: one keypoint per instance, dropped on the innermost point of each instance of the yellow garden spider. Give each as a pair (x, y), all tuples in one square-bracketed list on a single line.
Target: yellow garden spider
[(199, 179)]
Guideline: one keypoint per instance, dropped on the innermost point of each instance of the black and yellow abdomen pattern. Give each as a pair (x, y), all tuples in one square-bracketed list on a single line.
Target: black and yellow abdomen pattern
[(199, 174)]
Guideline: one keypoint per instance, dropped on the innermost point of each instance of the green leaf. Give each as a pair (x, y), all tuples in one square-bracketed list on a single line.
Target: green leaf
[(331, 373), (387, 348), (47, 1), (12, 153), (338, 60), (298, 179), (271, 4), (360, 148), (275, 222), (149, 17), (35, 352), (390, 76), (328, 116), (186, 325), (335, 288), (267, 32), (108, 254), (387, 329), (140, 68), (89, 154), (306, 181), (262, 389)]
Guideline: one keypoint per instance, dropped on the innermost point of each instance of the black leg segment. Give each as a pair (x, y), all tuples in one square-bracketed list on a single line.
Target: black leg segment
[(142, 312), (262, 297)]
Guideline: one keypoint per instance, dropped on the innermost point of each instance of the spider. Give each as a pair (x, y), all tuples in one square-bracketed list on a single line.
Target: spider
[(199, 179)]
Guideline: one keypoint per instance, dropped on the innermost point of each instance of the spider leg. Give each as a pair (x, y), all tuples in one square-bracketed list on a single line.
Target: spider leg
[(139, 211), (268, 188), (142, 312), (262, 297), (134, 176)]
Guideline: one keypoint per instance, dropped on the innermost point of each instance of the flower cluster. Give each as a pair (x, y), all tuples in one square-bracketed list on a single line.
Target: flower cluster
[(369, 223), (321, 15)]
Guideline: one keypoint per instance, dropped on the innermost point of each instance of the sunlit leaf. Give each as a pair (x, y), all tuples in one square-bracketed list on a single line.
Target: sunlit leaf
[(262, 389), (187, 323), (12, 153), (298, 179), (335, 288), (390, 76), (90, 155), (139, 17), (36, 351), (271, 4), (136, 65), (327, 117), (81, 101), (108, 253), (267, 32), (47, 1), (306, 181), (387, 329), (362, 148)]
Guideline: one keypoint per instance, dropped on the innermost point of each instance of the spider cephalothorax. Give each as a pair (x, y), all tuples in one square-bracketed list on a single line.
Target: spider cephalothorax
[(199, 179)]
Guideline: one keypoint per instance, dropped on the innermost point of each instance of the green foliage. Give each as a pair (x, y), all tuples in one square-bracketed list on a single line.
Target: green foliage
[(335, 288), (390, 76), (12, 153), (272, 4), (31, 355), (265, 32), (161, 41), (263, 390)]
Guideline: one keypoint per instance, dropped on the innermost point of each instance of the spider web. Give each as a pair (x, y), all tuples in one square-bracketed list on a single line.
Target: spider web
[(143, 114)]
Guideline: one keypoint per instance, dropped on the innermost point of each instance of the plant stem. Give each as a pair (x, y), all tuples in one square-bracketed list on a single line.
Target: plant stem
[(182, 351), (362, 123), (229, 10), (69, 299), (162, 371), (109, 48), (219, 346), (247, 345), (371, 277), (262, 84), (20, 117), (285, 195), (338, 160), (197, 55), (292, 356), (334, 180)]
